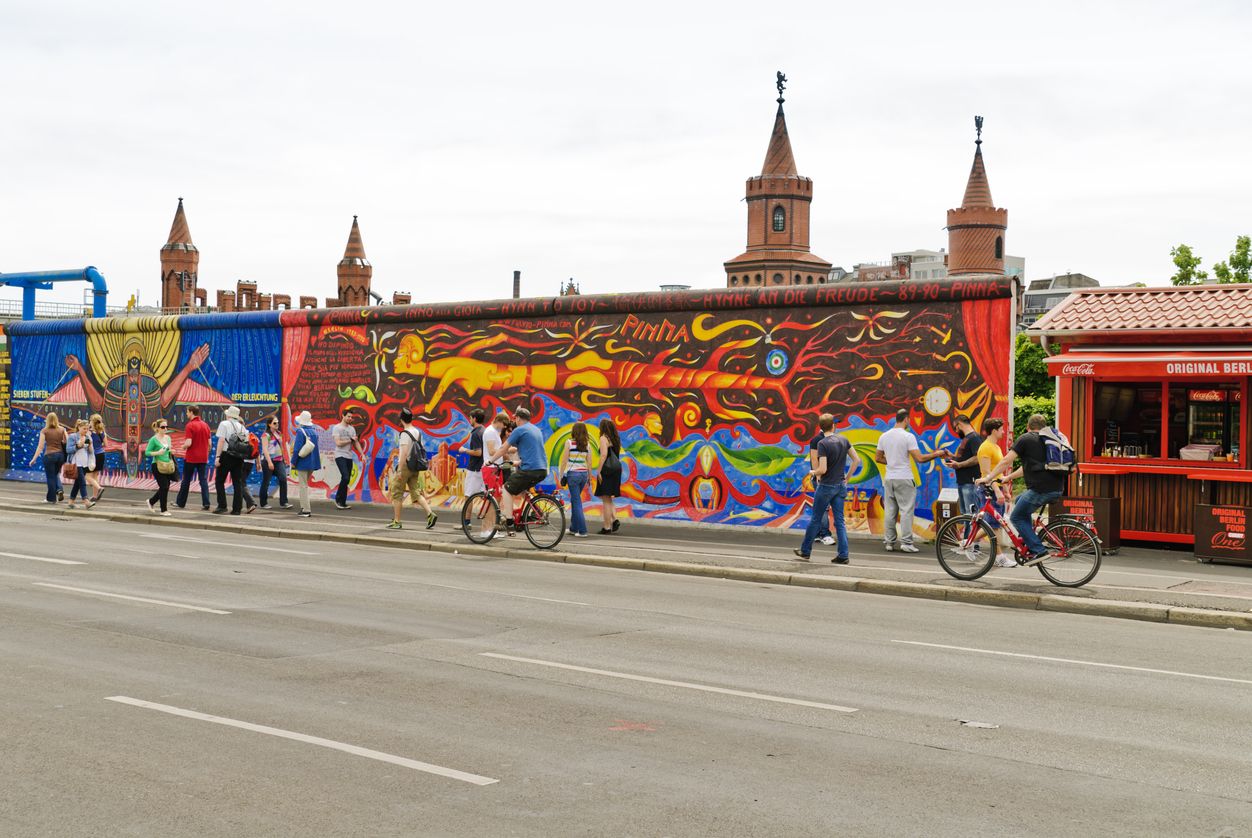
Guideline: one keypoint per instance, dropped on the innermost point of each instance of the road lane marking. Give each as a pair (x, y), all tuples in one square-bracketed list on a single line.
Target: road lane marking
[(667, 683), (39, 558), (168, 537), (1079, 662), (355, 750), (501, 593), (131, 598)]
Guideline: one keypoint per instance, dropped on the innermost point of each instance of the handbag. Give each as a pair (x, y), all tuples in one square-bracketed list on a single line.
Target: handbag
[(307, 448), (166, 467), (69, 471), (612, 465)]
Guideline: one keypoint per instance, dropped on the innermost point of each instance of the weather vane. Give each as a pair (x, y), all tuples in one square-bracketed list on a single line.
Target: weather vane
[(782, 85), (978, 126)]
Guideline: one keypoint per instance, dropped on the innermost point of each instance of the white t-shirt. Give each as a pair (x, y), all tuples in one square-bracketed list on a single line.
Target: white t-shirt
[(491, 441), (228, 428), (345, 435), (896, 444), (406, 438)]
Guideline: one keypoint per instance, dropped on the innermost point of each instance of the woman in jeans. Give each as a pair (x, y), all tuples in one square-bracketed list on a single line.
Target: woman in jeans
[(574, 477), (273, 464), (159, 452), (52, 441), (304, 464), (97, 449), (79, 451)]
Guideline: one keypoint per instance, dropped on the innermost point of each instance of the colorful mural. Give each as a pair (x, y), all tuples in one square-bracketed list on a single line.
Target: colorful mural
[(715, 394), (133, 371)]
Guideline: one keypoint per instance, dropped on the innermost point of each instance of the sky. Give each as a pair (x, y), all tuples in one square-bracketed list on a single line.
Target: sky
[(608, 143)]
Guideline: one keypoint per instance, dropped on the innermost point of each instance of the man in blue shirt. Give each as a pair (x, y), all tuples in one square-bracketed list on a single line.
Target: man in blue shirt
[(527, 441), (834, 454)]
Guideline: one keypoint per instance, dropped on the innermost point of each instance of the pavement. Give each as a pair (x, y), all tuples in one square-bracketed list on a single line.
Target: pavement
[(1167, 586), (166, 681)]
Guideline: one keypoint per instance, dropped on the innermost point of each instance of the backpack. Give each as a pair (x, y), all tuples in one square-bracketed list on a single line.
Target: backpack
[(1058, 454), (416, 460), (237, 444)]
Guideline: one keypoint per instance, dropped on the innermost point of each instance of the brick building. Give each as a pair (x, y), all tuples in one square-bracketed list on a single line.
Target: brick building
[(976, 228)]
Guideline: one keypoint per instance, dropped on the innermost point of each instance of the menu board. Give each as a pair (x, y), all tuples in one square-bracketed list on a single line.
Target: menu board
[(1221, 534), (1105, 513), (5, 434)]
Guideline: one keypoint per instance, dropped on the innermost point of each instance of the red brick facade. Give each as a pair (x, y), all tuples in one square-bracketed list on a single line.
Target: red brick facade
[(180, 266), (976, 228)]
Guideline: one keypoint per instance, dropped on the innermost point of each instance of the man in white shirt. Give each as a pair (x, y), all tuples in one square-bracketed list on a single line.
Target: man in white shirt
[(898, 450), (348, 451)]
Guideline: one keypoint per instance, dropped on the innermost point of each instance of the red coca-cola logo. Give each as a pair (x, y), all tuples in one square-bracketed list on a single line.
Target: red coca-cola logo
[(1227, 541), (1078, 369)]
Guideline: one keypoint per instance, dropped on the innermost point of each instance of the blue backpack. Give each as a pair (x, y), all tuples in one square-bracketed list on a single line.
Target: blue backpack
[(1058, 454)]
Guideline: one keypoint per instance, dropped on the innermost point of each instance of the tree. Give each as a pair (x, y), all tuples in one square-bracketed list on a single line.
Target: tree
[(1239, 266), (1030, 378), (1186, 262)]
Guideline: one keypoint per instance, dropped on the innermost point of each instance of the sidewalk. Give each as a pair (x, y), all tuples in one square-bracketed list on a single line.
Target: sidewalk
[(1137, 583)]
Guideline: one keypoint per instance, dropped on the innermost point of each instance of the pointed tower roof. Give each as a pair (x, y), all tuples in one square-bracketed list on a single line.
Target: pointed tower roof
[(779, 160), (180, 233), (978, 191), (354, 253)]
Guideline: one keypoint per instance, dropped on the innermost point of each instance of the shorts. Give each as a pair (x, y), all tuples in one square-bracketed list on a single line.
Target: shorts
[(522, 479), (405, 480), (473, 483)]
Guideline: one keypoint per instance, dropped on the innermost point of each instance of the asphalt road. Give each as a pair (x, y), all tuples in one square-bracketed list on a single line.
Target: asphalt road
[(176, 683)]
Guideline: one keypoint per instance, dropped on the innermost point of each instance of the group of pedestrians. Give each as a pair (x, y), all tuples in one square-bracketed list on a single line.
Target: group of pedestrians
[(75, 455)]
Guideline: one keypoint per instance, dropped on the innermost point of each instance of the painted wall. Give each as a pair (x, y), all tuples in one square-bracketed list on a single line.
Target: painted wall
[(714, 393)]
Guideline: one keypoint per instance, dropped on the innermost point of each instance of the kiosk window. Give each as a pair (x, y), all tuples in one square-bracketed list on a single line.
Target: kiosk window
[(1126, 419), (1204, 421)]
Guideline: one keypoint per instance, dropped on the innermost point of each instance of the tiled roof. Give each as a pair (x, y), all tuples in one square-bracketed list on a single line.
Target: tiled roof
[(1125, 309), (180, 233), (354, 253), (978, 190), (779, 160)]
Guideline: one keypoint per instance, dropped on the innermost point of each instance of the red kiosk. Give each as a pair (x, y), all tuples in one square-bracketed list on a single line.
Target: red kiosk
[(1152, 389)]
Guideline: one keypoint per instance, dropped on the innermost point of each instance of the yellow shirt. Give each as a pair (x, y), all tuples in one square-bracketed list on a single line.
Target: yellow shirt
[(991, 451)]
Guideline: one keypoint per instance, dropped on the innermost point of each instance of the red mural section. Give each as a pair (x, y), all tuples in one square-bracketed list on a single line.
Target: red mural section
[(715, 394)]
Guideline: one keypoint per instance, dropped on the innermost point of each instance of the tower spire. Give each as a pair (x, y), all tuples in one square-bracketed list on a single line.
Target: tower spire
[(976, 229), (978, 190), (779, 159), (180, 233)]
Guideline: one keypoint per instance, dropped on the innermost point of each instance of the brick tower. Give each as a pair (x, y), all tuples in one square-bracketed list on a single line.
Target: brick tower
[(976, 229), (355, 272), (778, 220), (180, 262)]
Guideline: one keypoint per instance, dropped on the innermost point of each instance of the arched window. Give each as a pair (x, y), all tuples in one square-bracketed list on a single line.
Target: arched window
[(780, 219), (999, 247), (808, 280), (758, 279), (778, 278), (734, 280)]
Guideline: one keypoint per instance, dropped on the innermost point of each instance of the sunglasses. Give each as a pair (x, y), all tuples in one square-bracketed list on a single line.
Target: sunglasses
[(163, 427)]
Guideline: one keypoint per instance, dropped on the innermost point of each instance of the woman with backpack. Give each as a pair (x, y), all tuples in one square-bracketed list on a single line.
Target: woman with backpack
[(305, 459), (81, 459), (164, 469), (52, 440), (273, 463), (574, 476), (96, 426), (608, 475)]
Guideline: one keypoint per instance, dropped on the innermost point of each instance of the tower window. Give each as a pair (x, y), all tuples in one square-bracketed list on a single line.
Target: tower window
[(780, 219), (778, 278), (734, 280), (758, 279), (999, 247)]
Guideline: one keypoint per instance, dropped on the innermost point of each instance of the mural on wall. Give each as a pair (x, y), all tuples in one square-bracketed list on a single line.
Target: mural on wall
[(715, 394), (133, 371), (4, 401)]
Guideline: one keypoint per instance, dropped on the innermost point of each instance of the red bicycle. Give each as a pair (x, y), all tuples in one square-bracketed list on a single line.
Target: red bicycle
[(538, 514), (966, 545)]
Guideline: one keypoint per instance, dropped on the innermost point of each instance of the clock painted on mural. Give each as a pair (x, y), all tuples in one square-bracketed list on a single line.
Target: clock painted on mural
[(937, 401)]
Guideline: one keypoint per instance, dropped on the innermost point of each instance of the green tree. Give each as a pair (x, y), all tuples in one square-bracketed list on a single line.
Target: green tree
[(1239, 266), (1030, 376), (1186, 262)]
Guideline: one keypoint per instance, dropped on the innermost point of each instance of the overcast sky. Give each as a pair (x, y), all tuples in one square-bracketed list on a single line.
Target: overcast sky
[(607, 142)]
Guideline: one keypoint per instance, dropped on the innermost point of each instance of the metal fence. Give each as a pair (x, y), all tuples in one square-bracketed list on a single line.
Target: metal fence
[(12, 310)]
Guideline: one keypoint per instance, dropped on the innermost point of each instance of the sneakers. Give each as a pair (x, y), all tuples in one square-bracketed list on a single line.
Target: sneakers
[(500, 534), (152, 507), (205, 508), (91, 503), (72, 505), (617, 525), (828, 540), (431, 520), (580, 535), (888, 547), (284, 506), (909, 548), (221, 511), (342, 506), (304, 513), (252, 509), (839, 560), (1005, 561), (395, 525), (1035, 558), (802, 556), (167, 514)]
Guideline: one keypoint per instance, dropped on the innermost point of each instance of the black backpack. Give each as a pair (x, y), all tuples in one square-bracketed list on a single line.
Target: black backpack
[(238, 444), (416, 460)]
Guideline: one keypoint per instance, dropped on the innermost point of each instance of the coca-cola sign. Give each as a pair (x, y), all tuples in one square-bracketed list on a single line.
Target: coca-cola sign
[(1078, 369)]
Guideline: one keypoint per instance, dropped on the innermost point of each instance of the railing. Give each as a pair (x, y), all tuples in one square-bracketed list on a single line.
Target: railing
[(12, 310)]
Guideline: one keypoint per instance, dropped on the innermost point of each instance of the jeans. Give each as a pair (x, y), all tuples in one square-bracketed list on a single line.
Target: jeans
[(279, 471), (189, 469), (52, 473), (162, 494), (232, 467), (898, 498), (1023, 509), (577, 482), (79, 489), (829, 496), (345, 477), (971, 497)]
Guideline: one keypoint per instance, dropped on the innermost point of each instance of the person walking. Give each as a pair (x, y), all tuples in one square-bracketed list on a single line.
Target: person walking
[(823, 533), (898, 450), (96, 432), (273, 463), (574, 473), (305, 459), (473, 447), (164, 469), (608, 475), (964, 461), (51, 447), (79, 454), (409, 472), (195, 457), (833, 455), (232, 450), (249, 463), (348, 452)]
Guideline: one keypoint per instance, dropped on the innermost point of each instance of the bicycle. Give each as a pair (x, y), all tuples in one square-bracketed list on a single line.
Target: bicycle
[(1074, 547), (538, 514)]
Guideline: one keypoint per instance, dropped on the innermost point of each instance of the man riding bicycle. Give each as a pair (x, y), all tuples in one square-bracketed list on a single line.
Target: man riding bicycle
[(527, 441), (1042, 486)]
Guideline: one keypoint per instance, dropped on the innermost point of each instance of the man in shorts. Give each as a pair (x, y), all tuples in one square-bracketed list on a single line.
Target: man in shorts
[(402, 480), (527, 441)]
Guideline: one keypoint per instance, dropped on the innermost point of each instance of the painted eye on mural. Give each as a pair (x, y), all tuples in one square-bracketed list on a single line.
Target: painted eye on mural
[(776, 362)]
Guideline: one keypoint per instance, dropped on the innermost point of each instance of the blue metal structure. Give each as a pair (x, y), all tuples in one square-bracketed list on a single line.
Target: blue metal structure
[(32, 281)]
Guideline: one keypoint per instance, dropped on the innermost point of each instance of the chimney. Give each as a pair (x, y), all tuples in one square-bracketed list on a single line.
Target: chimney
[(517, 285)]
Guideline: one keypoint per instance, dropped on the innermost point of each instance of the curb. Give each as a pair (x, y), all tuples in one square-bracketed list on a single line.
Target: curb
[(1148, 612)]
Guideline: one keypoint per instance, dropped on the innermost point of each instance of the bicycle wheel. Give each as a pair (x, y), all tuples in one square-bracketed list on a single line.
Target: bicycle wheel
[(543, 518), (1073, 554), (966, 547), (479, 515)]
